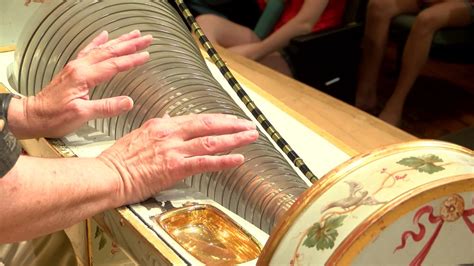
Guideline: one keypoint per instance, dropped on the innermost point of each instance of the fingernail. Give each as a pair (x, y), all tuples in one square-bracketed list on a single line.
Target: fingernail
[(126, 104), (251, 133), (144, 54), (238, 158), (250, 125), (135, 31)]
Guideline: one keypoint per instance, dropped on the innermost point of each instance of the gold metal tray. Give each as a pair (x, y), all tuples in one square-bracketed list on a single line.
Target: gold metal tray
[(209, 235)]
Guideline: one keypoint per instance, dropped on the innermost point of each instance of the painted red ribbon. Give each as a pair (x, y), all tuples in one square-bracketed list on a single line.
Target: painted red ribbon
[(433, 219), (465, 217)]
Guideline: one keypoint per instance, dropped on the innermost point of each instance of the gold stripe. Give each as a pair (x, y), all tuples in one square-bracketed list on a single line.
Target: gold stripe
[(228, 75), (200, 32), (186, 13), (208, 47), (298, 162), (219, 59), (246, 99), (309, 175), (251, 106), (218, 63), (260, 119), (271, 131), (276, 137), (236, 88), (287, 149)]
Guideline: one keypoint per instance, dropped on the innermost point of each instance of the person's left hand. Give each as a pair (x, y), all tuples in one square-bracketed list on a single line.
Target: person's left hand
[(63, 106)]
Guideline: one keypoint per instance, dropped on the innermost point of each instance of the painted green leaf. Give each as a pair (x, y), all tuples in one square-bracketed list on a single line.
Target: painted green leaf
[(311, 238), (102, 242), (430, 168), (323, 237), (412, 162), (431, 158), (424, 164), (335, 222)]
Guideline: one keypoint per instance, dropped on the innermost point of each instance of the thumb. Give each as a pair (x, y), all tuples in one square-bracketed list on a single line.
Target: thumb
[(110, 107)]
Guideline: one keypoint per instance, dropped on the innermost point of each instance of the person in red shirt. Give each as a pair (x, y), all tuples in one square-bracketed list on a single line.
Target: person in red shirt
[(432, 16), (296, 17)]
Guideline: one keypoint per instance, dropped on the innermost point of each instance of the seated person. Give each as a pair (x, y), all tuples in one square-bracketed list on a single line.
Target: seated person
[(230, 25), (432, 16)]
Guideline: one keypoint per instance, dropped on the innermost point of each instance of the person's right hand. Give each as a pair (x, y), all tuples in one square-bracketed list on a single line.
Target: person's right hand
[(165, 150)]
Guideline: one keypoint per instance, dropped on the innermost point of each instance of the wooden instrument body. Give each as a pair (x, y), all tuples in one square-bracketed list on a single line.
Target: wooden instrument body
[(360, 212)]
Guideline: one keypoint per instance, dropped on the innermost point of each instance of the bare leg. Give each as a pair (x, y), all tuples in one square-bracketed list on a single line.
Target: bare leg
[(445, 14), (379, 16), (224, 32), (228, 34)]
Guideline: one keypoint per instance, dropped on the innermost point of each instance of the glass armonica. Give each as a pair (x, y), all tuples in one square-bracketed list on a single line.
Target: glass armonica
[(175, 81)]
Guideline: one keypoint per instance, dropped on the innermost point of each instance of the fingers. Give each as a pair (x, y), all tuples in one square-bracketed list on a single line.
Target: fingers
[(125, 37), (218, 144), (202, 164), (102, 38), (212, 124), (102, 42), (106, 70), (108, 107), (118, 49)]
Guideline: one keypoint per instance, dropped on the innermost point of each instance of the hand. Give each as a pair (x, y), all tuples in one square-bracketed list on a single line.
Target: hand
[(252, 51), (64, 105), (165, 150)]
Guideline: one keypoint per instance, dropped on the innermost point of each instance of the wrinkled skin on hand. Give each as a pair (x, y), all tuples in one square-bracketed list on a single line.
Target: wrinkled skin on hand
[(64, 105), (166, 150)]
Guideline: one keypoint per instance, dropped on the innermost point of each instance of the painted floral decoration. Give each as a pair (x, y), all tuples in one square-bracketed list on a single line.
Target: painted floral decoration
[(425, 163), (323, 236)]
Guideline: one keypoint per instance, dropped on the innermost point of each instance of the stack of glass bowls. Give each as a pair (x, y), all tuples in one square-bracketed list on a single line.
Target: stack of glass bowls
[(175, 81)]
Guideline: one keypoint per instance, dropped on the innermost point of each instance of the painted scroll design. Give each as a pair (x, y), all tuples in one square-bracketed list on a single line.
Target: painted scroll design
[(323, 234), (451, 210)]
